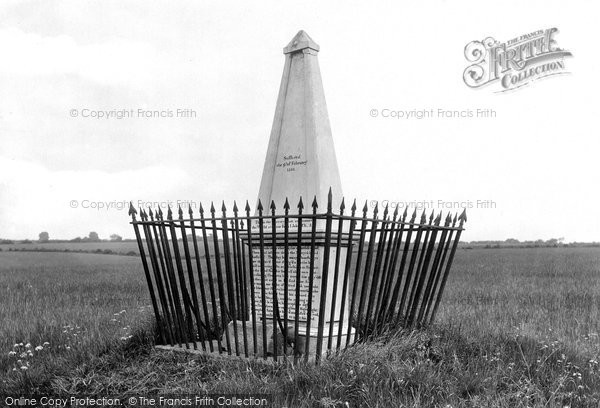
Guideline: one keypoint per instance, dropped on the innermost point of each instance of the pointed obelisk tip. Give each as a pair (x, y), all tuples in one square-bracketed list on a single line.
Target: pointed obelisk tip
[(286, 205), (300, 42), (273, 207)]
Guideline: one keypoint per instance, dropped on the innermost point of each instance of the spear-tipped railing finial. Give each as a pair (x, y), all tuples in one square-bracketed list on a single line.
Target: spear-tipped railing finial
[(132, 211)]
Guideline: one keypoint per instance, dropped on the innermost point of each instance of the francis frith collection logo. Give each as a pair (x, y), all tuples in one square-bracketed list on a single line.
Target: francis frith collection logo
[(515, 63)]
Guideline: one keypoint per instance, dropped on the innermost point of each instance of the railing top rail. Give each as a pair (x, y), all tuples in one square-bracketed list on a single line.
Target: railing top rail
[(187, 221), (451, 223)]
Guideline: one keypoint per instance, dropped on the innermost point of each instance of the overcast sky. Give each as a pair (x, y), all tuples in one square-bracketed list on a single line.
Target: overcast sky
[(537, 160)]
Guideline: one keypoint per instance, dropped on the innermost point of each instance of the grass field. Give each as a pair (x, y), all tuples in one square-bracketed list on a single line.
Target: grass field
[(517, 327)]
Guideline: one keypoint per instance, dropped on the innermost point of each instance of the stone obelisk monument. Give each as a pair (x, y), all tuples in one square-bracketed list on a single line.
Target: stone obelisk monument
[(301, 158), (300, 162)]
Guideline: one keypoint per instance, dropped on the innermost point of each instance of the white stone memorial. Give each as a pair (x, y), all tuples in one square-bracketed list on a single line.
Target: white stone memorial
[(300, 162)]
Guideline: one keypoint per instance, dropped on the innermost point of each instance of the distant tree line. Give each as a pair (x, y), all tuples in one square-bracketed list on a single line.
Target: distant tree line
[(44, 237), (515, 243)]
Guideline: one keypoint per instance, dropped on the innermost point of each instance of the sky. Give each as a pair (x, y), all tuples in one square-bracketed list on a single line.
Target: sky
[(531, 172)]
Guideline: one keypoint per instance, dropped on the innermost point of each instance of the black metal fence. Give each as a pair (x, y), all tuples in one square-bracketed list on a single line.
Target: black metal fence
[(292, 284)]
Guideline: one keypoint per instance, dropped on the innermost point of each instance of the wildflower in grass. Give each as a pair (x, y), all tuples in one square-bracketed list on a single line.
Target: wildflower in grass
[(46, 344), (28, 345), (24, 368), (23, 355), (12, 353), (39, 348)]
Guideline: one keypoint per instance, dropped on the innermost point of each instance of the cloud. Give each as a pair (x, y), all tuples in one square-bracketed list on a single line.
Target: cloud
[(34, 198), (114, 61)]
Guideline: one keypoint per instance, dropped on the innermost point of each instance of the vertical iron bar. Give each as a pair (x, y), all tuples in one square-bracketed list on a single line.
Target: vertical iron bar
[(418, 270), (434, 268), (286, 231), (368, 276), (338, 250), (240, 275), (393, 274), (251, 270), (274, 279), (444, 249), (229, 279), (311, 276), (187, 303), (200, 281), (174, 285), (324, 276), (386, 271), (262, 277), (165, 276), (391, 307), (463, 219), (132, 213), (377, 268), (297, 347), (413, 257), (431, 235), (346, 280), (157, 277), (357, 275), (191, 279), (222, 302), (211, 280)]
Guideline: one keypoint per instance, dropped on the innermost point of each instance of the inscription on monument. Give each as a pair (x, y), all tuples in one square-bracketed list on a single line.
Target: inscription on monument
[(291, 162), (291, 282)]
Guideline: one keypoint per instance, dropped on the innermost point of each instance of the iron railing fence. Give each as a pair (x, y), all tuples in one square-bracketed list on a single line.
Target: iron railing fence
[(291, 284)]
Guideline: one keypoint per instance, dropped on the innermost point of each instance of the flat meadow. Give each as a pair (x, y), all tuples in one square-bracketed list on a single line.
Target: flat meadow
[(516, 327)]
